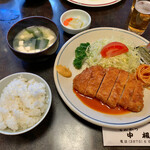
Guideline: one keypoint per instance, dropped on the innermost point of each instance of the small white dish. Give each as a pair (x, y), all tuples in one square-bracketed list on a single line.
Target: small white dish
[(5, 81), (75, 13)]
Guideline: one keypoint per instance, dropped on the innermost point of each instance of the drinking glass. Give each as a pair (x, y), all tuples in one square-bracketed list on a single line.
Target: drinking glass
[(140, 17)]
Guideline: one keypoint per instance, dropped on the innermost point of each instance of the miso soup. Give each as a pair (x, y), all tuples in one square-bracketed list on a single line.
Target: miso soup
[(34, 39)]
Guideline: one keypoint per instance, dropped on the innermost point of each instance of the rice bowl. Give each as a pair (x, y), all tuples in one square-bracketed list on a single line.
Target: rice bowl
[(23, 108)]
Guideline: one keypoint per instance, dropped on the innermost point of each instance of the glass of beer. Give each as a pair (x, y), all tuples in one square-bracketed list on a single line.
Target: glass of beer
[(140, 17)]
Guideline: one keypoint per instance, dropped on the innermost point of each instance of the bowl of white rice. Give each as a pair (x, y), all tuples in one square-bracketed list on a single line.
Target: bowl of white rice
[(25, 100)]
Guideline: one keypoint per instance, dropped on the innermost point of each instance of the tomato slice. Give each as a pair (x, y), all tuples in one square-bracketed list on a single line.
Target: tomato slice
[(113, 49)]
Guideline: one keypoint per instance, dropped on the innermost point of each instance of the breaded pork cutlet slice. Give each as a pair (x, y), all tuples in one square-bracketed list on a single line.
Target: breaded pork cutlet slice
[(136, 102), (95, 80), (117, 89), (80, 82), (128, 92), (107, 84)]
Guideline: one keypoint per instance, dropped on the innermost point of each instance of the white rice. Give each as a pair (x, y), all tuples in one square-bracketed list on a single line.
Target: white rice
[(22, 104)]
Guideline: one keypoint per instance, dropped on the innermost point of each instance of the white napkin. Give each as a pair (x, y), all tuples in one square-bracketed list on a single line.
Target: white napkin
[(127, 137)]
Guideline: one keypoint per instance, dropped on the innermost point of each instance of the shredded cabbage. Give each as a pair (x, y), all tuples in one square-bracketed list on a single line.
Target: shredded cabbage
[(127, 61)]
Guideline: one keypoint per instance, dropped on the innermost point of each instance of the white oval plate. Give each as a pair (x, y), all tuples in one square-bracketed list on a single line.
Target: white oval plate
[(94, 3), (65, 85)]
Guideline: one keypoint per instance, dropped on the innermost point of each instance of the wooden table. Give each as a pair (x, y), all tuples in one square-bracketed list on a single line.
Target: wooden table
[(61, 129)]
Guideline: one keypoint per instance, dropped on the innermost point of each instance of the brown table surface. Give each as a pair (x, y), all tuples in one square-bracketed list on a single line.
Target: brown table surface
[(61, 129)]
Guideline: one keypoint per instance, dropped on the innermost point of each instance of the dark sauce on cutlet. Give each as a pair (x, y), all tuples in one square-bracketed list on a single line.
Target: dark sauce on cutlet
[(99, 106)]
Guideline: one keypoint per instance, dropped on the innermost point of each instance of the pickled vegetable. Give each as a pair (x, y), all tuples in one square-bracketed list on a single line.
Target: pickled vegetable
[(74, 23)]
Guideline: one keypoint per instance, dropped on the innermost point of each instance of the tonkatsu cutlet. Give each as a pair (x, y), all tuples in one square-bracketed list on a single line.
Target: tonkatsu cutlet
[(136, 102), (112, 86), (107, 84), (95, 80), (128, 91), (117, 89), (80, 82)]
